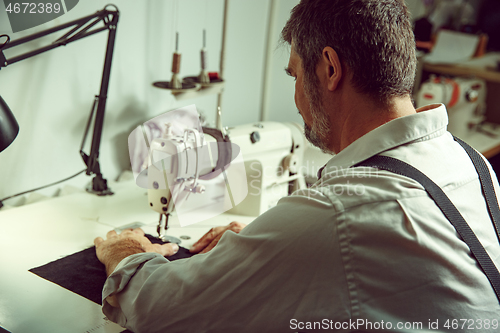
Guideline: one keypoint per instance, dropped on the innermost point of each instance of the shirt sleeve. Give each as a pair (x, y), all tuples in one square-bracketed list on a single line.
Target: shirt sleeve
[(255, 281)]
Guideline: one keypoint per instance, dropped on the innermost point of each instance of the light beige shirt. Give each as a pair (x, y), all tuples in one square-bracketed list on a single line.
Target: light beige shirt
[(363, 250)]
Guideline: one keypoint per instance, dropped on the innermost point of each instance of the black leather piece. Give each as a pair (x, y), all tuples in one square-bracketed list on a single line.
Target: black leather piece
[(83, 274)]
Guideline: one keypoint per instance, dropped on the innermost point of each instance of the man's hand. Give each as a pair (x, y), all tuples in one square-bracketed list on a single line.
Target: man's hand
[(131, 241), (212, 237)]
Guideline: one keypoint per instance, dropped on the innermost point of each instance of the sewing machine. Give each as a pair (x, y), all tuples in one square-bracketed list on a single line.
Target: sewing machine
[(244, 172), (464, 99)]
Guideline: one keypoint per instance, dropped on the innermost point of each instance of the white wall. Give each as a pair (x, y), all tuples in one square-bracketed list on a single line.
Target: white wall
[(51, 94), (279, 104)]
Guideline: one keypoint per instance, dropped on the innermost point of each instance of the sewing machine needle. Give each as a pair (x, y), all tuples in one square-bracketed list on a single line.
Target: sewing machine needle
[(158, 228)]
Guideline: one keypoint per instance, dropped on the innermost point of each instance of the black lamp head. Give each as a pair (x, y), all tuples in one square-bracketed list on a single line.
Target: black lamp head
[(8, 125)]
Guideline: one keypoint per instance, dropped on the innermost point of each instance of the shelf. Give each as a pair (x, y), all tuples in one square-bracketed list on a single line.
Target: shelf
[(463, 70)]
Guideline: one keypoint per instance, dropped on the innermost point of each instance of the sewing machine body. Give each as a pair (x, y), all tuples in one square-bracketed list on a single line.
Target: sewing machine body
[(272, 163), (264, 167)]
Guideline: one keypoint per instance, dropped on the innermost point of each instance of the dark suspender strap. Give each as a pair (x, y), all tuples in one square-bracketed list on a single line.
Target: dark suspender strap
[(320, 171), (448, 209), (486, 184)]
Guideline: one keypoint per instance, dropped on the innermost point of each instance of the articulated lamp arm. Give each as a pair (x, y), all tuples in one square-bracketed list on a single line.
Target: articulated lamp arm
[(81, 28)]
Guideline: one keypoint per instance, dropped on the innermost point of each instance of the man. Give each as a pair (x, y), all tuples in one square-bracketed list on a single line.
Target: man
[(362, 250)]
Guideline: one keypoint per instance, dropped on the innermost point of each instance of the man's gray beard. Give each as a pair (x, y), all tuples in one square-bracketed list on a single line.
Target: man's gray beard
[(315, 139), (321, 128)]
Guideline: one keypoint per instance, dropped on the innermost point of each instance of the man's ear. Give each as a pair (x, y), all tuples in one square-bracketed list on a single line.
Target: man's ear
[(331, 67)]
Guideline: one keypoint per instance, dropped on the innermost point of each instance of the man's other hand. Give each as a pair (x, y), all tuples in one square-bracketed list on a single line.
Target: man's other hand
[(212, 237), (131, 241)]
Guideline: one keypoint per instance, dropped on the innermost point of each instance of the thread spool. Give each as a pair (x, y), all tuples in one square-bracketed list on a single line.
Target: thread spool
[(203, 55), (176, 63), (203, 77), (175, 82)]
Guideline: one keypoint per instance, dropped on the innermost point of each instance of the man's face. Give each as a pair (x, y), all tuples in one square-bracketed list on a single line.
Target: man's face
[(308, 100)]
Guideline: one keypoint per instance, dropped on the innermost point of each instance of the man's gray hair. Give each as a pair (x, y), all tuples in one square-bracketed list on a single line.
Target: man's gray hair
[(373, 39)]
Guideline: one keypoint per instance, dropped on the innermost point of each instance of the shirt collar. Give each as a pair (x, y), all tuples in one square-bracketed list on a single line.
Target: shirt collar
[(428, 122)]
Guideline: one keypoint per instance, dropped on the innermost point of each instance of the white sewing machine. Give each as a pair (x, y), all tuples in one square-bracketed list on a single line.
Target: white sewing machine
[(274, 155), (264, 164), (464, 99)]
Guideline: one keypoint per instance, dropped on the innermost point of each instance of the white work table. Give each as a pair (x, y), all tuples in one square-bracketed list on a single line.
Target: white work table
[(38, 233)]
